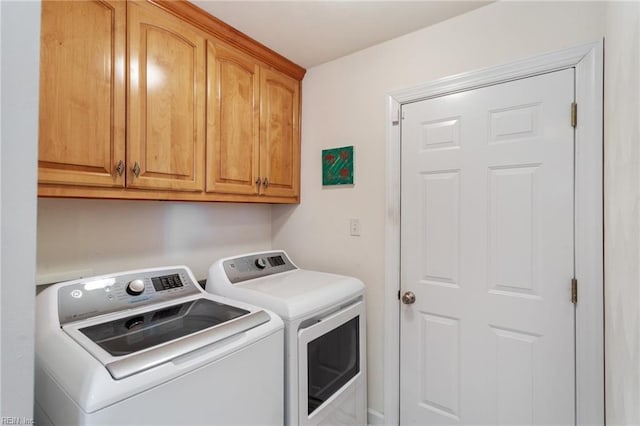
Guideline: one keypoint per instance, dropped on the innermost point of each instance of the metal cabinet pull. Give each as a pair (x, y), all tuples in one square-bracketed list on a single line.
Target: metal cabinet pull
[(136, 169), (265, 182), (258, 181), (120, 168)]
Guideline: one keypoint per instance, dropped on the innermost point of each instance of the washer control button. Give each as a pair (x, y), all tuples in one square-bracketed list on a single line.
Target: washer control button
[(135, 287), (261, 263)]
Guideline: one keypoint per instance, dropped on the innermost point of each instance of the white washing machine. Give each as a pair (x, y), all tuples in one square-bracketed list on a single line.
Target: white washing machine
[(150, 347), (325, 332)]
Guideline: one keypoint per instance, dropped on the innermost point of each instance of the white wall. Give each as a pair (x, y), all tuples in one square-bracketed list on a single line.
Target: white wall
[(20, 58), (344, 104), (91, 237), (622, 212)]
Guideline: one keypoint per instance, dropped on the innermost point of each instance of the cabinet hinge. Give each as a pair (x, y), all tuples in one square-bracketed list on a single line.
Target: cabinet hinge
[(574, 114), (574, 291)]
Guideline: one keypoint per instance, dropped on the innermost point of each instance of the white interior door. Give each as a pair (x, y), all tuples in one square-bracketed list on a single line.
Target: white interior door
[(487, 247)]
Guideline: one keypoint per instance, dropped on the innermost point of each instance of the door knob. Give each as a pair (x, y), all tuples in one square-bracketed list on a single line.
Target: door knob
[(408, 298)]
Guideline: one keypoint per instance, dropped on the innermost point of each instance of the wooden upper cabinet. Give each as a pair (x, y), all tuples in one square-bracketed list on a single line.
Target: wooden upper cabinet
[(159, 100), (166, 101), (233, 90), (279, 134), (82, 93)]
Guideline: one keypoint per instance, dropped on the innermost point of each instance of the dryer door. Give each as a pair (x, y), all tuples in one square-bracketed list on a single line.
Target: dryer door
[(332, 369)]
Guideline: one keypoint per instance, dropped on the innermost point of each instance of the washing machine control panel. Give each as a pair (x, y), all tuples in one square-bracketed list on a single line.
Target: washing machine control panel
[(256, 265), (90, 297)]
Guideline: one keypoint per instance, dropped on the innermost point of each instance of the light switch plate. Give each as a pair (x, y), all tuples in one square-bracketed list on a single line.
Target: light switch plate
[(354, 227)]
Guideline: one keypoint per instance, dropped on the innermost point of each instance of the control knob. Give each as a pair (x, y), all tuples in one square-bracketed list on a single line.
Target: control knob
[(135, 287), (261, 263)]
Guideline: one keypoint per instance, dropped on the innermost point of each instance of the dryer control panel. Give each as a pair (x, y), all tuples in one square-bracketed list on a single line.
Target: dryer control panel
[(257, 265), (90, 297)]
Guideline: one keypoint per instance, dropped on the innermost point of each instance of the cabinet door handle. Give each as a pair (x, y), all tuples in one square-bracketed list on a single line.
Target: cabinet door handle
[(120, 168), (258, 181), (265, 182), (136, 169)]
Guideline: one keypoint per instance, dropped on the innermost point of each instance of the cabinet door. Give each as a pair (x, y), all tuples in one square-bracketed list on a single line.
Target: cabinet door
[(279, 134), (233, 89), (82, 93), (166, 101)]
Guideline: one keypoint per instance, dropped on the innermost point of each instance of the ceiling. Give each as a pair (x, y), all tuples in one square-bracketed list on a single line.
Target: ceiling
[(311, 32)]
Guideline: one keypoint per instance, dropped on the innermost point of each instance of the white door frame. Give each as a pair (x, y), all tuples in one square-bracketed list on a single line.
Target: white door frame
[(588, 62)]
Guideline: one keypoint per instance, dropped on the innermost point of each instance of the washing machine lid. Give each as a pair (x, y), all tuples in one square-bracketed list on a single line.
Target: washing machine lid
[(138, 342), (124, 336), (134, 320), (281, 287)]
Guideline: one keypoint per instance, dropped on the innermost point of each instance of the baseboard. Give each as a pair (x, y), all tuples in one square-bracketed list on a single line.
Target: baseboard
[(374, 418)]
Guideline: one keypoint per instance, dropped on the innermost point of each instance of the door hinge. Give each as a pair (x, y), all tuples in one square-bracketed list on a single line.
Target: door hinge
[(574, 114), (574, 291)]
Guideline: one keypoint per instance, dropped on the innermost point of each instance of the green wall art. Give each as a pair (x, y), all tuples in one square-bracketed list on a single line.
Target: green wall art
[(337, 166)]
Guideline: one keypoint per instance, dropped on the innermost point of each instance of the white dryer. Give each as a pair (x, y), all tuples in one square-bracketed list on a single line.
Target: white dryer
[(325, 332), (150, 347)]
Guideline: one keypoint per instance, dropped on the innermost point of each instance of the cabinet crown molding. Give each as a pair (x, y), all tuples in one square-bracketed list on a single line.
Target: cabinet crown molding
[(205, 21)]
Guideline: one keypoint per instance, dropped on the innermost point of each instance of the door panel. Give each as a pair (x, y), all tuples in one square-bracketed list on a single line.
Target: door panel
[(233, 120), (512, 227), (440, 373), (82, 93), (487, 248), (279, 134), (440, 234), (166, 101)]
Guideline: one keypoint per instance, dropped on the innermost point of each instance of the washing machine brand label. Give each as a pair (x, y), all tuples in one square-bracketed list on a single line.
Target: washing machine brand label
[(141, 299)]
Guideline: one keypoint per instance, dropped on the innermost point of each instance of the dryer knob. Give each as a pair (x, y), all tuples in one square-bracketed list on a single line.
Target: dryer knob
[(135, 287), (261, 263)]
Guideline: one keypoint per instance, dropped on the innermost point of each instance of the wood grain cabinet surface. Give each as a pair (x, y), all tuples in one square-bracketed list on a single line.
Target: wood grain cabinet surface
[(253, 144), (233, 108), (209, 114), (82, 93), (279, 134), (166, 101)]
